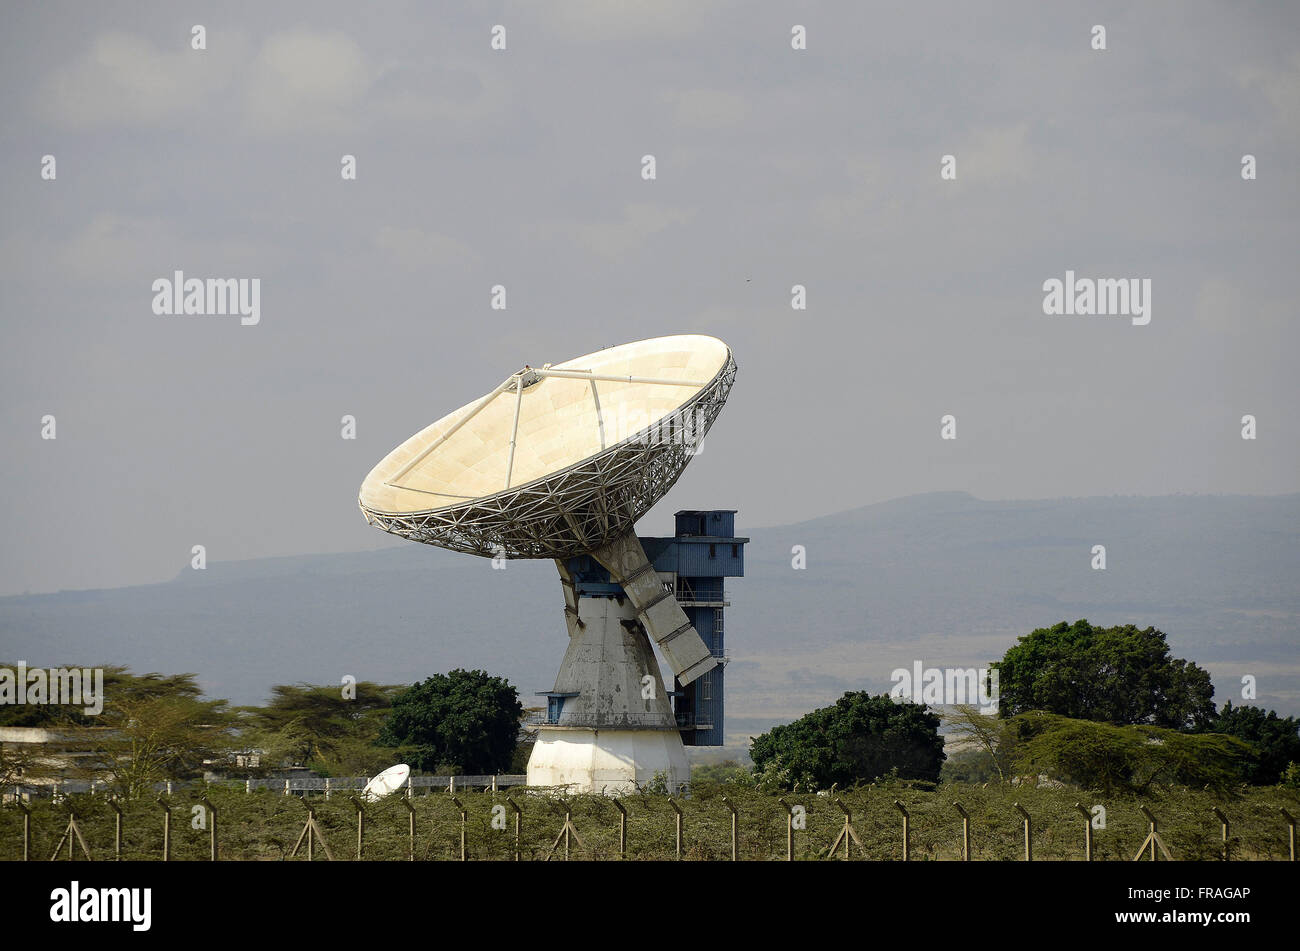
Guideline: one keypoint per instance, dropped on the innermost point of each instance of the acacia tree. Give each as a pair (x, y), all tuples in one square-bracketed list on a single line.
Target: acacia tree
[(466, 720), (145, 740), (992, 737), (119, 683), (331, 729), (1118, 675), (153, 727), (859, 739), (26, 762), (1274, 740), (1125, 758)]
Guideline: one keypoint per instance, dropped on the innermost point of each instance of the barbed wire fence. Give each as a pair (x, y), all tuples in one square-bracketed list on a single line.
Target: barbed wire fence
[(496, 818)]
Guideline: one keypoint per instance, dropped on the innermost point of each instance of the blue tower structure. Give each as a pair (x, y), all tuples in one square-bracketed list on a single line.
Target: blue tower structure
[(693, 565)]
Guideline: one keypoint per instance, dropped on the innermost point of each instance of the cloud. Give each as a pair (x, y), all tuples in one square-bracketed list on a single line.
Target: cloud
[(860, 202), (1228, 309), (299, 81), (1280, 86), (640, 221), (122, 250), (995, 155), (601, 20), (444, 91), (307, 81), (418, 250), (110, 246), (708, 108), (126, 80)]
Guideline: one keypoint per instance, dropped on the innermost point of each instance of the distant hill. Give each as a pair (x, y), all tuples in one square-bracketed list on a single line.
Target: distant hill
[(943, 578)]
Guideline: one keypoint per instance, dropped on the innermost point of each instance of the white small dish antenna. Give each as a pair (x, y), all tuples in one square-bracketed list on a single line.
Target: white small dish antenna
[(386, 783)]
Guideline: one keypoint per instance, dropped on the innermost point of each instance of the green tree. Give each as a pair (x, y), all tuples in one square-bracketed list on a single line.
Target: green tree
[(119, 682), (1274, 741), (1118, 675), (859, 739), (147, 739), (968, 767), (1125, 758), (466, 719), (321, 727), (719, 774), (984, 744), (28, 762), (152, 727)]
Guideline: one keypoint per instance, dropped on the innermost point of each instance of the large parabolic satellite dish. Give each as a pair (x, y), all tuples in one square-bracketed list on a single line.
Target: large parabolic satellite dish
[(562, 460)]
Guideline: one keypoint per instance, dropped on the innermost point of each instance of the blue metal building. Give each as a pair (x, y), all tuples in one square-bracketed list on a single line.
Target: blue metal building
[(696, 561)]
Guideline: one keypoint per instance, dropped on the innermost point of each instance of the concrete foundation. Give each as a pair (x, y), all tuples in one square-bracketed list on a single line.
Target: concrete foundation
[(610, 762)]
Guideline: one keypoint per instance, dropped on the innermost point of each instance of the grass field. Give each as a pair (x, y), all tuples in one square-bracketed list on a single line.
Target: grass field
[(265, 825)]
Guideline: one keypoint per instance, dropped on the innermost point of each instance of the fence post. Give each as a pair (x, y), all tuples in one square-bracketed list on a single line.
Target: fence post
[(248, 786), (789, 829), (167, 830), (327, 789), (1290, 821), (735, 822), (1153, 838), (212, 832), (464, 817), (27, 826), (1087, 831), (410, 816), (311, 831), (567, 830), (965, 831), (848, 834), (1029, 848), (568, 823), (519, 814), (361, 823), (677, 809), (622, 828), (1224, 820), (907, 832), (71, 835), (286, 787)]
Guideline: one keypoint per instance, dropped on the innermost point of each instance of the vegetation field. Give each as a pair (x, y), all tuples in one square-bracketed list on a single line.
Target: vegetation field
[(264, 826)]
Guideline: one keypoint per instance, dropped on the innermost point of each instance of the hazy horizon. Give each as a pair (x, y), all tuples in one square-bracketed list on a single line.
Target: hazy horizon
[(642, 529)]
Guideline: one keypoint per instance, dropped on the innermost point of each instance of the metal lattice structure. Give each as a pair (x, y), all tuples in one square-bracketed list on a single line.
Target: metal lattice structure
[(576, 509)]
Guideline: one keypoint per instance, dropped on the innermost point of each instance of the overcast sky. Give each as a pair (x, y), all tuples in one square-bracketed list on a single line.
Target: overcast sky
[(523, 167)]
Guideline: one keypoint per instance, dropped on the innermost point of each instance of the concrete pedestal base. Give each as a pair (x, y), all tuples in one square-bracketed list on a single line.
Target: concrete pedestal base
[(615, 730), (611, 762)]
